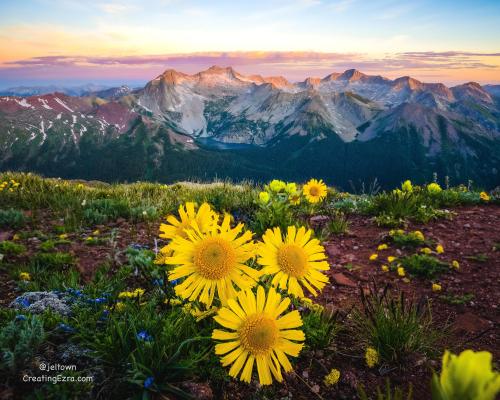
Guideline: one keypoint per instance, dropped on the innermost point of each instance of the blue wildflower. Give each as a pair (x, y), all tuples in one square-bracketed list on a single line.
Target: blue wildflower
[(21, 317), (174, 282), (23, 302), (144, 336), (148, 382), (65, 328)]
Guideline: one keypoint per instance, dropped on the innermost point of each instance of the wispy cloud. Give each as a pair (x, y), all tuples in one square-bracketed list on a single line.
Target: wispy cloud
[(449, 67)]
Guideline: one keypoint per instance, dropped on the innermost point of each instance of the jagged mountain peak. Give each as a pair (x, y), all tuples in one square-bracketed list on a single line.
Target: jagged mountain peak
[(407, 81), (351, 75)]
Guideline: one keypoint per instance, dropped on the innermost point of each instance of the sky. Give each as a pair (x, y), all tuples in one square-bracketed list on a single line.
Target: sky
[(131, 41)]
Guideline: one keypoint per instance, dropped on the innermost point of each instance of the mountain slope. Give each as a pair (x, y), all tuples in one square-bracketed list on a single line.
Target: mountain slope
[(219, 122)]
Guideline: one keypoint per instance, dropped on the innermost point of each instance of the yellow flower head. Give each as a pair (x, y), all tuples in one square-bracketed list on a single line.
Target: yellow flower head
[(401, 271), (264, 197), (484, 196), (291, 187), (119, 306), (426, 250), (332, 378), (434, 188), (315, 191), (294, 260), (258, 334), (371, 357), (436, 287), (96, 232), (419, 235), (204, 218), (277, 185), (439, 249), (407, 186), (382, 246), (212, 262), (455, 264), (16, 237), (385, 268), (391, 259), (373, 257), (294, 198), (467, 376), (24, 276), (63, 236)]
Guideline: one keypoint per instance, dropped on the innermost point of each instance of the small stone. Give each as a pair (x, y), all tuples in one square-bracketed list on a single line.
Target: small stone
[(343, 280), (315, 388)]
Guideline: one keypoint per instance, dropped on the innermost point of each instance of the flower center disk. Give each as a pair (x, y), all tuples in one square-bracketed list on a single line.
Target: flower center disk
[(314, 191), (214, 258), (258, 334), (292, 260)]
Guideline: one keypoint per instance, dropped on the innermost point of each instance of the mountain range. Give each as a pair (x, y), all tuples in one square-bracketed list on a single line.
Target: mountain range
[(219, 123)]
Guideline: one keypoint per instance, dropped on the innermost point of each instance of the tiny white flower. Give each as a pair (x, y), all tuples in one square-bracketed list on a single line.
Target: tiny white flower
[(84, 202)]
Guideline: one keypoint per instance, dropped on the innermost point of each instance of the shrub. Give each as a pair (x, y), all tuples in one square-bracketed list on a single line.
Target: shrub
[(389, 394), (19, 340), (423, 265), (410, 239), (320, 327), (100, 211), (12, 218), (11, 248), (393, 325)]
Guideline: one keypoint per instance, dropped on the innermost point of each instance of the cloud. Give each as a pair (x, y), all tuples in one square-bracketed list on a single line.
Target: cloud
[(293, 65)]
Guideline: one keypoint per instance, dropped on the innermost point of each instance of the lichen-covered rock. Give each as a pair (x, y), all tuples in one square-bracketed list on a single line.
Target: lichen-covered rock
[(38, 302)]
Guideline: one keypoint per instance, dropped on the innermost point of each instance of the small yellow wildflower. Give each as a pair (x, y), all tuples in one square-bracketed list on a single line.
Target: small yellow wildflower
[(391, 259), (434, 188), (484, 196), (382, 247), (291, 187), (455, 264), (426, 250), (277, 185), (371, 357), (89, 238), (63, 236), (385, 268), (264, 197), (96, 232), (373, 257), (24, 276), (436, 287), (16, 237), (119, 306), (401, 271), (419, 235), (332, 378), (407, 186), (79, 186), (439, 249)]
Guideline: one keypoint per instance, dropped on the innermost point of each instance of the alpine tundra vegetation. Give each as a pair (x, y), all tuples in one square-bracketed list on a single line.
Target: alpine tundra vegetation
[(223, 290)]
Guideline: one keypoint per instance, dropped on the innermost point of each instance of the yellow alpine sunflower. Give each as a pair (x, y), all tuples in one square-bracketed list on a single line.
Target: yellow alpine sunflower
[(294, 260), (212, 261), (314, 190), (205, 217), (258, 335)]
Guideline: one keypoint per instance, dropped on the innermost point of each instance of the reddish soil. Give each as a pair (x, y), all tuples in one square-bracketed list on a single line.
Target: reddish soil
[(473, 232)]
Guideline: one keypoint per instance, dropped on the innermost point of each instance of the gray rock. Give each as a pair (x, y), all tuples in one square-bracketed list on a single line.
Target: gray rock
[(38, 302)]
